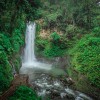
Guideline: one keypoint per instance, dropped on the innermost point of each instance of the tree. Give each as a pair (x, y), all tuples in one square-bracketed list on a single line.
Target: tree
[(82, 12), (11, 10)]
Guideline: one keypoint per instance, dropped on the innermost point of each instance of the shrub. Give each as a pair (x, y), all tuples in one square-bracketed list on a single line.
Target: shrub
[(53, 51), (4, 82), (5, 43), (96, 32), (24, 93), (5, 71), (86, 58), (56, 47)]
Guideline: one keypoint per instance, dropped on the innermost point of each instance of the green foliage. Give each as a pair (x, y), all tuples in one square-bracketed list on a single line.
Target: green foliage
[(5, 43), (38, 28), (30, 8), (12, 12), (24, 93), (4, 82), (55, 37), (17, 63), (71, 32), (55, 47), (53, 51), (53, 16), (86, 58), (41, 43), (5, 71), (84, 14), (17, 40), (8, 46), (96, 32)]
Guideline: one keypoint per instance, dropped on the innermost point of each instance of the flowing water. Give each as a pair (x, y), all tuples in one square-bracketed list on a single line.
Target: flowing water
[(45, 78), (29, 61)]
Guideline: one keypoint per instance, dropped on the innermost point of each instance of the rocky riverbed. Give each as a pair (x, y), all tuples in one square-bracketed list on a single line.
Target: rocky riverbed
[(56, 88)]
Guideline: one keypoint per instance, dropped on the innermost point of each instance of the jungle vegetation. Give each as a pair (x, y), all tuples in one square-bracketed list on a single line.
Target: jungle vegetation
[(72, 26)]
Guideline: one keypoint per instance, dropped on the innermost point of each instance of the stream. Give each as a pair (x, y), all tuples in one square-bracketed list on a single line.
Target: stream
[(46, 79)]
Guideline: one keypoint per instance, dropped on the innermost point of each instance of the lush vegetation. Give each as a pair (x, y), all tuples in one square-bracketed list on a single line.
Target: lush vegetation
[(14, 15), (72, 28), (24, 93), (53, 47), (86, 56)]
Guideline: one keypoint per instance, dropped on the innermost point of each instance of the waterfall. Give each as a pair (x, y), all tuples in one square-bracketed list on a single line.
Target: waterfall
[(29, 60), (29, 55)]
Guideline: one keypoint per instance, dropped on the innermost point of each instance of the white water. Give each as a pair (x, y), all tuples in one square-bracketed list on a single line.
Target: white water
[(47, 86), (29, 55), (29, 60)]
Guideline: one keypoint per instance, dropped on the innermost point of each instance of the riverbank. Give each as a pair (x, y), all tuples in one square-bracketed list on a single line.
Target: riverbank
[(82, 84)]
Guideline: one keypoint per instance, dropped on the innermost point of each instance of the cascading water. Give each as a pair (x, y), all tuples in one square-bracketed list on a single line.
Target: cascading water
[(29, 55), (29, 61)]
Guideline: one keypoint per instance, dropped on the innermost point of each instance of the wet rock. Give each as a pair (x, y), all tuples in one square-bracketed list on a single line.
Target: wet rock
[(70, 81), (85, 97), (70, 93), (82, 95), (63, 95), (79, 98), (54, 93), (42, 92)]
